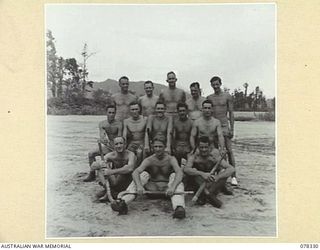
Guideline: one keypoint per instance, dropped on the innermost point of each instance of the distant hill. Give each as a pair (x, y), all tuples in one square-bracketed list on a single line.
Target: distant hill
[(112, 86)]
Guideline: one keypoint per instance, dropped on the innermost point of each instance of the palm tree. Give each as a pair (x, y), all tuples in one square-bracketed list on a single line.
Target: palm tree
[(245, 85)]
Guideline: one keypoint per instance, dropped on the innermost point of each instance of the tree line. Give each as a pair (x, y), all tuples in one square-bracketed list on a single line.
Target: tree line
[(254, 101)]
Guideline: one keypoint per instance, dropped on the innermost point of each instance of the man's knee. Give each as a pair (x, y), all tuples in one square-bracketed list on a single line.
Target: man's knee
[(93, 154), (171, 177), (144, 176), (95, 166), (215, 153)]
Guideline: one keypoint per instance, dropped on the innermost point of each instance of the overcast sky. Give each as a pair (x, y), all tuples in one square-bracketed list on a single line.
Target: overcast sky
[(144, 42)]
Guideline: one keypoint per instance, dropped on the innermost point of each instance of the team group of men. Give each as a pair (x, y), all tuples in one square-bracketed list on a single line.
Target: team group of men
[(165, 144)]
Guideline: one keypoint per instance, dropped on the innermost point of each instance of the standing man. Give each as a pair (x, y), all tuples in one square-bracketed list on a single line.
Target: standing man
[(148, 101), (208, 126), (181, 133), (134, 129), (158, 172), (159, 125), (123, 99), (195, 101), (222, 108), (172, 95), (108, 130), (118, 167), (199, 166)]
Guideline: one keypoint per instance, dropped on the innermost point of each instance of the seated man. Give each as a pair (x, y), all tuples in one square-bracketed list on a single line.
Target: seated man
[(108, 130), (118, 166), (158, 172), (200, 166)]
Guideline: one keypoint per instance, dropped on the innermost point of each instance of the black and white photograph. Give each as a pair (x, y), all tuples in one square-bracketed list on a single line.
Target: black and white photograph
[(161, 120)]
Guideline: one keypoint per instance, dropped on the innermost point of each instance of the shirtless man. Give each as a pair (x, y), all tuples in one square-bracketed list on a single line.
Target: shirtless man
[(208, 126), (158, 172), (181, 133), (148, 101), (159, 125), (108, 130), (172, 95), (195, 101), (118, 167), (123, 99), (134, 129), (199, 166), (222, 108)]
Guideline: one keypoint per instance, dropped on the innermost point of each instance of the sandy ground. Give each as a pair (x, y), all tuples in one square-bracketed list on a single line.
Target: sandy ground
[(73, 212)]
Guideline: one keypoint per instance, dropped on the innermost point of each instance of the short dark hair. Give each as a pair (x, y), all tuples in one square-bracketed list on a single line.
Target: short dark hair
[(171, 72), (146, 82), (182, 105), (215, 78), (160, 102), (160, 139), (111, 106), (204, 139), (135, 103), (195, 84), (123, 77), (207, 101), (124, 139)]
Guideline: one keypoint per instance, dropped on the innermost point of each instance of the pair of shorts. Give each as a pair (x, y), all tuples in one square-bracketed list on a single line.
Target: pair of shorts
[(182, 147)]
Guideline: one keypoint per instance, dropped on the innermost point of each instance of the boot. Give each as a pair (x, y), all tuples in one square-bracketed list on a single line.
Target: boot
[(104, 198), (212, 199), (226, 191), (179, 213), (101, 193), (90, 177), (120, 206)]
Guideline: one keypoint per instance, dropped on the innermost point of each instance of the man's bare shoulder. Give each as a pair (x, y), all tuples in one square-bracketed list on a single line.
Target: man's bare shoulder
[(226, 95), (151, 117), (114, 95), (148, 160), (110, 156), (209, 97), (129, 153), (127, 120), (181, 91), (103, 123), (189, 101), (198, 121), (117, 122), (132, 96), (215, 121)]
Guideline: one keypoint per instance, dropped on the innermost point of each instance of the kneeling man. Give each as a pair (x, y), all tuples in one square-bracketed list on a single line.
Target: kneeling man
[(158, 172), (200, 165), (117, 167)]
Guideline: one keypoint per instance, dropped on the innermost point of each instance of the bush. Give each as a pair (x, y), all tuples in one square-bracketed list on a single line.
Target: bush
[(268, 116)]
